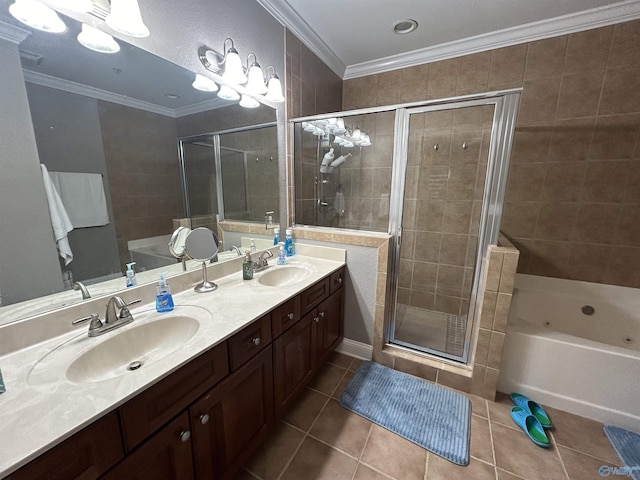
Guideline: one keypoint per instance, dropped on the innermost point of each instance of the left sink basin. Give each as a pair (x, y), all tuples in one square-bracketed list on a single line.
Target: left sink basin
[(121, 352)]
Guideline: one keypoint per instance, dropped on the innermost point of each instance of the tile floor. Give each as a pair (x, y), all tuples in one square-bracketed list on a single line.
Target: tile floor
[(318, 439)]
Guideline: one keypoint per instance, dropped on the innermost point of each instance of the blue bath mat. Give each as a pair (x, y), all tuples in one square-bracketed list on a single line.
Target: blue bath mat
[(627, 446), (433, 417)]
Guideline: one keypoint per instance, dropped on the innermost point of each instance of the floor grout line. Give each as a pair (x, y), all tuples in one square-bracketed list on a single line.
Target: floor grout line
[(555, 445), (493, 448)]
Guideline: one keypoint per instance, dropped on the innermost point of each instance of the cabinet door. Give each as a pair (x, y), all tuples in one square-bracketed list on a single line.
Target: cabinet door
[(245, 344), (158, 404), (293, 363), (165, 456), (329, 323), (86, 455), (232, 419)]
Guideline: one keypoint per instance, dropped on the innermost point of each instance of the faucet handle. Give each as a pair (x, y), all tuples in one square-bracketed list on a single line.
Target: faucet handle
[(96, 323), (78, 321)]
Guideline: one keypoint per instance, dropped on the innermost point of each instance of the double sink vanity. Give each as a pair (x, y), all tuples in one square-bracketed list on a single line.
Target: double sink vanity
[(183, 394)]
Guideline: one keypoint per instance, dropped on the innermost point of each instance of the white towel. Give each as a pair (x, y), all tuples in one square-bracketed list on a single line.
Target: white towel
[(60, 222), (83, 197)]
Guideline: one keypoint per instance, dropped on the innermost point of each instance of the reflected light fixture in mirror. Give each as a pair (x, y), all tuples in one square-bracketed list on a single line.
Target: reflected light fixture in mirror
[(125, 18), (96, 40), (37, 15), (204, 84), (228, 93), (249, 102), (80, 6)]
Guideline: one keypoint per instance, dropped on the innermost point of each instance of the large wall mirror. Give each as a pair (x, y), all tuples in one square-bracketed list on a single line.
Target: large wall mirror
[(117, 123)]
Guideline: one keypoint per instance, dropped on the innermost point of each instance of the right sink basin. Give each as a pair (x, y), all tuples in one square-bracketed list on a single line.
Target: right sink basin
[(278, 276)]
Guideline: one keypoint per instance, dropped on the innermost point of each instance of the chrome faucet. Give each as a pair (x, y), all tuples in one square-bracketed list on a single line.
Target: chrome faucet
[(116, 316), (237, 250), (83, 289), (262, 262)]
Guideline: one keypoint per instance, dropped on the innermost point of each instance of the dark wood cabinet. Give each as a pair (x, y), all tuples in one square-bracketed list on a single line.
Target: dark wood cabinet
[(329, 326), (293, 363), (165, 456), (231, 420), (86, 455), (249, 341), (151, 409), (285, 315)]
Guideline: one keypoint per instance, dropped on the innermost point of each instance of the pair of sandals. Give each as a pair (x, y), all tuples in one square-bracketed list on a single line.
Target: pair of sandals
[(531, 418)]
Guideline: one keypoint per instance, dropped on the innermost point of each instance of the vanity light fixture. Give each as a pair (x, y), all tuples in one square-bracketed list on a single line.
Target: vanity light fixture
[(249, 102), (342, 135), (255, 82), (125, 18), (37, 15), (274, 87), (80, 6), (233, 70), (97, 40), (204, 84)]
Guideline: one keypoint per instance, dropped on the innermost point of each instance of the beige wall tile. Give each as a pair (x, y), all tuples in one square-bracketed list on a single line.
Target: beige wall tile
[(509, 267), (414, 367), (488, 309), (624, 51), (579, 95), (477, 381), (490, 383), (452, 380), (503, 304), (495, 350), (545, 57), (482, 349), (507, 66), (494, 268)]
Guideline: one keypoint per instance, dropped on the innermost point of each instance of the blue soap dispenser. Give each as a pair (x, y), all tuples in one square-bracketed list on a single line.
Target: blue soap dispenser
[(289, 246), (164, 300), (131, 275)]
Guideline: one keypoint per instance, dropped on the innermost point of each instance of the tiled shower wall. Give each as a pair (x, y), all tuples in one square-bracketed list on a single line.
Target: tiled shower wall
[(573, 200)]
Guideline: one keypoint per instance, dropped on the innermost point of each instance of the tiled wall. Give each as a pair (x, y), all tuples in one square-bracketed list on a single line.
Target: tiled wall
[(573, 201), (144, 179)]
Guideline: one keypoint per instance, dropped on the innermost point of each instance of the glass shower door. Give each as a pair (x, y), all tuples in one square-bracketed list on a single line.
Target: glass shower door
[(447, 153)]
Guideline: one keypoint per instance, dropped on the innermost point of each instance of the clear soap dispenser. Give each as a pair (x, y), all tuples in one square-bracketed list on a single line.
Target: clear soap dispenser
[(131, 275), (247, 267), (164, 300)]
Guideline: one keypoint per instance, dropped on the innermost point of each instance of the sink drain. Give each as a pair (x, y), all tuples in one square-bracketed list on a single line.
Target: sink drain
[(135, 365)]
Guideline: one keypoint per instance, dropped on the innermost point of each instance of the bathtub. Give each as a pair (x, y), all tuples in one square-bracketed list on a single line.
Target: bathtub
[(575, 346)]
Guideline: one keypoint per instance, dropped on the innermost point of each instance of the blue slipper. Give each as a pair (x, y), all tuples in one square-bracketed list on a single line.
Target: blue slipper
[(530, 425), (533, 408)]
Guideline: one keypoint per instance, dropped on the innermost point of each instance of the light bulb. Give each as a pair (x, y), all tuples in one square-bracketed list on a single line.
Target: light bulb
[(37, 15), (249, 102), (255, 84), (274, 90), (125, 18), (204, 84), (96, 40), (228, 93), (233, 71)]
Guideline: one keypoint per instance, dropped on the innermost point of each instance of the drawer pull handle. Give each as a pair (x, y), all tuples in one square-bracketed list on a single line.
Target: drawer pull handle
[(185, 436), (321, 314), (290, 316), (316, 319), (255, 341), (204, 419)]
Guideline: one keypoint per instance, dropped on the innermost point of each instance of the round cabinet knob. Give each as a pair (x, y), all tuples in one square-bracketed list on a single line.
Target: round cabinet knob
[(321, 314), (316, 319), (204, 419), (290, 316), (185, 436), (256, 341), (339, 280)]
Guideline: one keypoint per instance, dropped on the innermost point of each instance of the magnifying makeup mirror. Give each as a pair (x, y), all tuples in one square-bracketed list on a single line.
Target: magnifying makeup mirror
[(201, 244), (177, 247)]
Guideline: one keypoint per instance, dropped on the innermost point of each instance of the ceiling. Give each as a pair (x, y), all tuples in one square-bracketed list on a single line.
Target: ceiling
[(355, 37)]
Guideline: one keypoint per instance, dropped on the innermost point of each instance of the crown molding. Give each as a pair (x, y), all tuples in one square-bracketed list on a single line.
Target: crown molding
[(80, 89), (201, 107), (13, 34), (575, 22), (288, 17)]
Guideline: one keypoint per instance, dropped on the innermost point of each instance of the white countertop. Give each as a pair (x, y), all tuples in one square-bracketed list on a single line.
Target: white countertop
[(41, 407)]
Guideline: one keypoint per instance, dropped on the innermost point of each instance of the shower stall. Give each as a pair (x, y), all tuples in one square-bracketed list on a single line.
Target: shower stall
[(431, 174)]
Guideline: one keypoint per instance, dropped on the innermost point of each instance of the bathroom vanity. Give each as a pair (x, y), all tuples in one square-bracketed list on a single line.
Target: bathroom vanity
[(204, 418)]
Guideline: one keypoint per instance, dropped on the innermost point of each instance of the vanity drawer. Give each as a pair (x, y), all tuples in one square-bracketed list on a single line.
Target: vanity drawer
[(87, 454), (337, 280), (285, 315), (155, 406), (313, 295), (249, 341)]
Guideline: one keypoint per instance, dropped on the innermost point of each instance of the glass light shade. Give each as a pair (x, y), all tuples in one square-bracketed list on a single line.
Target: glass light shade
[(80, 6), (228, 93), (255, 84), (356, 134), (233, 71), (339, 128), (125, 18), (37, 15), (347, 144), (366, 142), (274, 90), (249, 102), (96, 40), (205, 84)]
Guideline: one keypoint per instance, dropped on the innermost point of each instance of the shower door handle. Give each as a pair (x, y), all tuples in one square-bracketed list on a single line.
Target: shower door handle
[(399, 236)]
